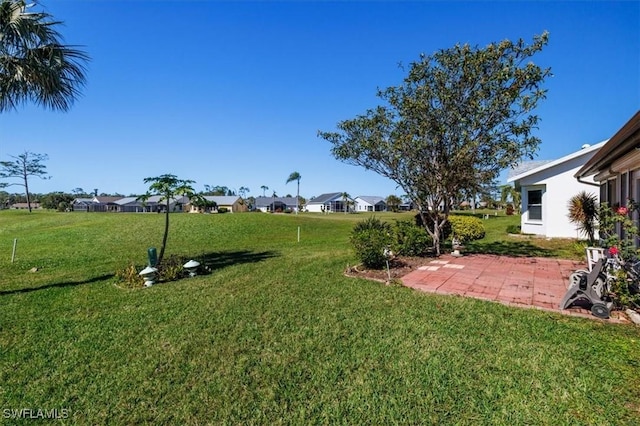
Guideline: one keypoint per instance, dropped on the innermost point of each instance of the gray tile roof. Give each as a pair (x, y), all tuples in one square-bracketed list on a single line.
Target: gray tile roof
[(371, 199), (222, 200), (325, 198), (267, 201), (526, 166)]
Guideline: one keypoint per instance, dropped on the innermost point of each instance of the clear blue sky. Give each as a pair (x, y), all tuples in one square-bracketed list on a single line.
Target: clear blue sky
[(233, 93)]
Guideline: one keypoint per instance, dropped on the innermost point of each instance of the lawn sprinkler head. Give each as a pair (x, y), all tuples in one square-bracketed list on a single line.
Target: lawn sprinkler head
[(191, 267), (148, 274)]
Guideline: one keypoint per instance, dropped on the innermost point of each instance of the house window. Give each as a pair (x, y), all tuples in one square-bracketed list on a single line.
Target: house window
[(534, 205)]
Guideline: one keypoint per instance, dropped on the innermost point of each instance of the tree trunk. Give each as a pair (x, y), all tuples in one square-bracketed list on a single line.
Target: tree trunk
[(26, 190), (166, 233)]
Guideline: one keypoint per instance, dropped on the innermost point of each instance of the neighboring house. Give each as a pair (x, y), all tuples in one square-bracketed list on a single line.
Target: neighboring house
[(365, 203), (96, 204), (546, 189), (405, 207), (24, 206), (616, 167), (326, 203), (152, 205), (275, 204), (232, 203)]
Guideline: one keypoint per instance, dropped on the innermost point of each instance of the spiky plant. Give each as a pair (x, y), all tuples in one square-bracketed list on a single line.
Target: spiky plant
[(583, 211)]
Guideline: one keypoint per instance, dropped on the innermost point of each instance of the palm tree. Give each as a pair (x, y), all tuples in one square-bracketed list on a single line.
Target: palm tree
[(296, 176), (393, 201), (583, 211), (508, 191), (34, 64), (264, 188), (345, 200)]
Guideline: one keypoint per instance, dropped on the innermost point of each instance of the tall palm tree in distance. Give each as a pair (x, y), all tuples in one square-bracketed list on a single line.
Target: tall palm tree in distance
[(296, 176), (34, 64), (345, 199), (264, 188)]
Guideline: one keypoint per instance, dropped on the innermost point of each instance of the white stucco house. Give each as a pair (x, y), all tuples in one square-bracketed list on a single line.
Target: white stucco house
[(367, 203), (546, 188), (330, 202)]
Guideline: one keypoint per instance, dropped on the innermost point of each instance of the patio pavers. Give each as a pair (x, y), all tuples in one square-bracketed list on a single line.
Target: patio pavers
[(519, 281)]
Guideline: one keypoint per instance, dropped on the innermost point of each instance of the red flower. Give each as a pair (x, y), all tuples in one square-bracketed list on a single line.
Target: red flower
[(622, 211), (613, 250)]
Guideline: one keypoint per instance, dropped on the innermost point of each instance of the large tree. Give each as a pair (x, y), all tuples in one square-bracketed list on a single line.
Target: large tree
[(295, 176), (460, 116), (23, 167), (169, 188), (35, 65)]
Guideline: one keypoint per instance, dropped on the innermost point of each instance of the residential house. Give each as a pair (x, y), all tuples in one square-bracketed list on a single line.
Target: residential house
[(407, 206), (546, 189), (616, 166), (327, 203), (154, 204), (365, 203), (231, 203), (96, 204), (276, 204), (25, 206)]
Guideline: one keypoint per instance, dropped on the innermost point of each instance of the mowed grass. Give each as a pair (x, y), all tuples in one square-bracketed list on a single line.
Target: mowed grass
[(277, 335)]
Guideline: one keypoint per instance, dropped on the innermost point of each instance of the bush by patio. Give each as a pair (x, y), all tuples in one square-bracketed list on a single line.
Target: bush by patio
[(467, 228)]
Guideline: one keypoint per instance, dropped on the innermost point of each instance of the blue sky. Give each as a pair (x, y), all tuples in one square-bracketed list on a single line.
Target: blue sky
[(234, 93)]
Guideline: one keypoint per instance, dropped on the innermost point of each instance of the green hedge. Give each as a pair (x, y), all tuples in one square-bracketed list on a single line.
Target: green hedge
[(467, 228)]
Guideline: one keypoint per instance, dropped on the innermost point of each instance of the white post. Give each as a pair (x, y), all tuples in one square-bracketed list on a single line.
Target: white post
[(13, 253), (298, 234)]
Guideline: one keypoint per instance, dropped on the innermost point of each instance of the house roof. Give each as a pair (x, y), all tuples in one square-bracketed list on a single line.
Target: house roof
[(526, 166), (325, 198), (267, 201), (106, 199), (127, 200), (222, 200), (83, 201), (549, 164), (371, 199), (624, 141)]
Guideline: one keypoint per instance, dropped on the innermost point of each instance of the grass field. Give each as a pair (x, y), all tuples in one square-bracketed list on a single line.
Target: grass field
[(277, 335)]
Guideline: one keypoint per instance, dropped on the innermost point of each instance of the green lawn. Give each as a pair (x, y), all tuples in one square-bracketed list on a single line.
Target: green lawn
[(277, 335)]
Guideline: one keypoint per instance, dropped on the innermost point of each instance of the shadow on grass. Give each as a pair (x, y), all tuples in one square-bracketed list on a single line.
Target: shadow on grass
[(223, 259), (509, 248), (211, 261), (54, 285)]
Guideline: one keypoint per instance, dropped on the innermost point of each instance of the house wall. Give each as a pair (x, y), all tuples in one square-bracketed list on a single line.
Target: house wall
[(558, 185)]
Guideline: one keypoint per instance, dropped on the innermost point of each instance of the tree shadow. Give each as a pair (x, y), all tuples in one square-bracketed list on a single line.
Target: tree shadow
[(209, 263), (509, 248), (57, 285), (219, 260)]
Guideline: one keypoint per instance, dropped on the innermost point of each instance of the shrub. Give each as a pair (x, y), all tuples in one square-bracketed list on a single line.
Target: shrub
[(369, 239), (410, 240), (467, 228), (171, 268), (222, 210), (510, 209), (128, 277), (514, 229)]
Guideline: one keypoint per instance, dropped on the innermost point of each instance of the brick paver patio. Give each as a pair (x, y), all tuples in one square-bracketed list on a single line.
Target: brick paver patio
[(518, 281)]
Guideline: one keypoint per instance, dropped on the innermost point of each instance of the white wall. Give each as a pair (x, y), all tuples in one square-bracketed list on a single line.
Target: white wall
[(558, 185)]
